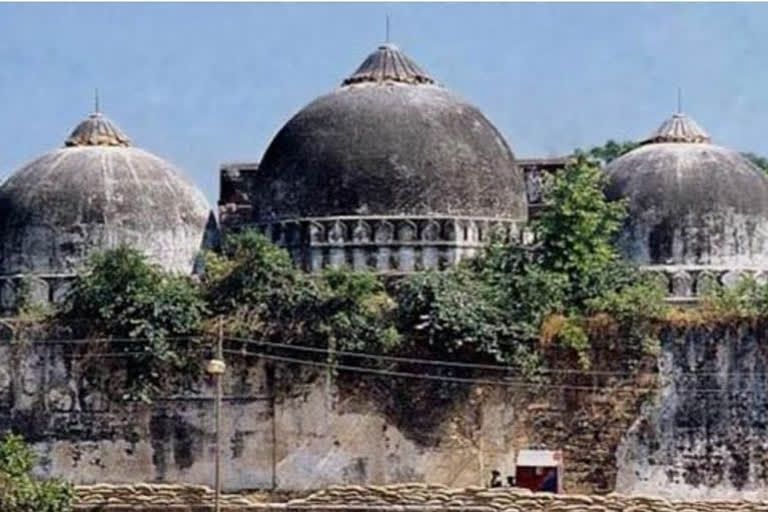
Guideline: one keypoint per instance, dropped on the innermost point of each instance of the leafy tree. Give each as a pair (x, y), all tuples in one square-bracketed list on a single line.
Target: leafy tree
[(575, 234), (19, 491), (356, 312), (257, 288), (453, 312), (252, 271), (610, 151), (264, 296), (529, 291), (122, 295), (758, 160)]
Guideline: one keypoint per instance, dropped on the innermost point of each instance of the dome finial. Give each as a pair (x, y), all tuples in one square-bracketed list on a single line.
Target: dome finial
[(679, 100), (388, 64), (386, 37), (97, 130), (679, 128)]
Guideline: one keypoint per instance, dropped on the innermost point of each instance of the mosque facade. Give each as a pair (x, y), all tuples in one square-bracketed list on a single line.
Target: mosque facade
[(390, 172)]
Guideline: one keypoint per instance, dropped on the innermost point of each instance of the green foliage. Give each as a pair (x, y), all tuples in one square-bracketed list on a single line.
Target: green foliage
[(356, 313), (572, 336), (253, 272), (16, 458), (575, 234), (19, 491), (528, 290), (454, 313), (746, 298), (758, 160), (256, 286), (498, 305), (635, 309), (122, 295), (610, 150), (265, 297), (25, 308), (643, 297)]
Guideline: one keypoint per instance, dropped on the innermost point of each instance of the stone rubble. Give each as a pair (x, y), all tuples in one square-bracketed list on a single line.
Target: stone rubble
[(396, 498)]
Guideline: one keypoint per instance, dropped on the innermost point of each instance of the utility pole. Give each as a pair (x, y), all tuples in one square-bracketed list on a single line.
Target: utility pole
[(216, 368)]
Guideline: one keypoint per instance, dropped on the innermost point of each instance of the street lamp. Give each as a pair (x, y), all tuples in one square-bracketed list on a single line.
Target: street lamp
[(216, 368)]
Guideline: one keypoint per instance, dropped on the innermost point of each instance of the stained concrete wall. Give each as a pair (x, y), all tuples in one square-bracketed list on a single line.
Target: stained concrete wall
[(706, 433), (305, 439), (681, 442), (310, 435)]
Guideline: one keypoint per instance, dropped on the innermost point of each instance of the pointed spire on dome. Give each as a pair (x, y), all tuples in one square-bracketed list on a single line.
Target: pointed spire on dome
[(389, 64), (679, 128)]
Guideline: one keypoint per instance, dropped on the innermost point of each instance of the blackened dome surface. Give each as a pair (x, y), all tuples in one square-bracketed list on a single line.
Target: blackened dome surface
[(98, 192), (389, 142), (691, 203)]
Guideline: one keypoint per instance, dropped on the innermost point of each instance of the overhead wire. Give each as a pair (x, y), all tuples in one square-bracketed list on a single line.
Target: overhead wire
[(456, 364), (465, 380), (509, 382), (376, 357)]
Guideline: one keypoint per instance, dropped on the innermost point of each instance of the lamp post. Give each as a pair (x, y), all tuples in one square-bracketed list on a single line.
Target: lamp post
[(216, 368)]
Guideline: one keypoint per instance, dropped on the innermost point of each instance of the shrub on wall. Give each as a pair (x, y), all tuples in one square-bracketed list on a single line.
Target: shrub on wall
[(123, 296), (19, 490), (261, 295)]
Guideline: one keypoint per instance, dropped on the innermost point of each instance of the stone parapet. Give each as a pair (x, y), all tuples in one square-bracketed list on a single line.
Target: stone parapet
[(687, 283), (387, 244), (33, 288)]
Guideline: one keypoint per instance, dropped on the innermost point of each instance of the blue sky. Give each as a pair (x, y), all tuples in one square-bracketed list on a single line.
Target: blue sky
[(200, 84)]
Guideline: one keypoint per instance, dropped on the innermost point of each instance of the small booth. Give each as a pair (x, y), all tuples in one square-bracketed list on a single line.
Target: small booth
[(539, 470)]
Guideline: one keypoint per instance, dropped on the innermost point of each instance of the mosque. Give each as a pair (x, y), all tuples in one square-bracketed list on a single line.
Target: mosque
[(391, 172)]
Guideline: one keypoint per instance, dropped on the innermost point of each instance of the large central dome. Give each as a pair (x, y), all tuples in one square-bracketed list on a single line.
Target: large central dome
[(389, 141)]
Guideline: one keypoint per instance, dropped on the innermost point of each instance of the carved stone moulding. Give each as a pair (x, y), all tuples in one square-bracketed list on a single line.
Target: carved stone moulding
[(694, 281), (392, 244), (377, 230), (38, 289)]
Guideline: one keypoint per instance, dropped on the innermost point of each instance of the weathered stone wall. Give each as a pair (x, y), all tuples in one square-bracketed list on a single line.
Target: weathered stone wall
[(357, 430), (706, 434), (702, 434)]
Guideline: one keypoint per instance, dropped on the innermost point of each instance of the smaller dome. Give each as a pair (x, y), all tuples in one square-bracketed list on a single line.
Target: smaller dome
[(96, 192), (690, 201)]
